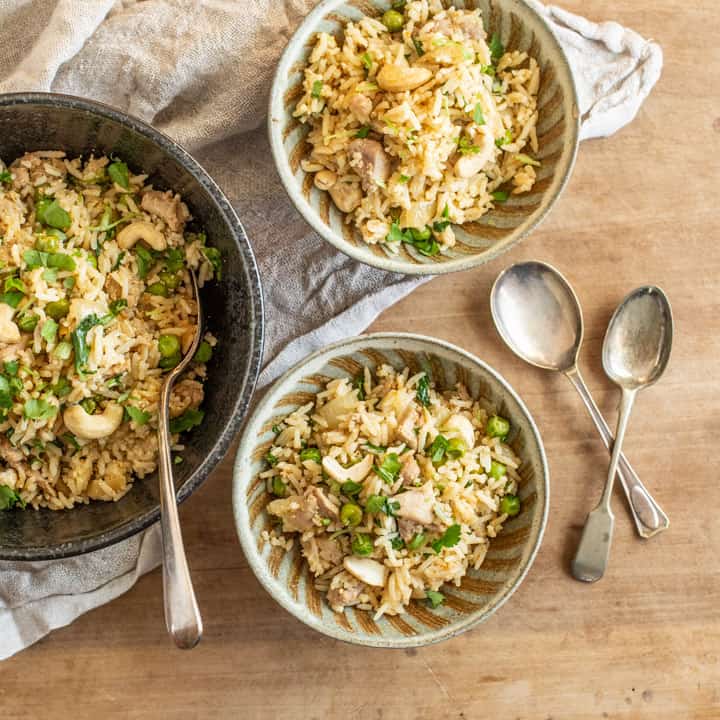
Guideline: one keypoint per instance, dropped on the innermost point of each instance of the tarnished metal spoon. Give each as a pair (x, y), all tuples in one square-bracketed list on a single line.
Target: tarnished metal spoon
[(182, 615), (538, 316), (635, 354)]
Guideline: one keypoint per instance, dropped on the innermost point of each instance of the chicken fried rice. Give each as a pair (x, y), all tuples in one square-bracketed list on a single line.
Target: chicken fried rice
[(96, 305), (418, 121), (392, 488)]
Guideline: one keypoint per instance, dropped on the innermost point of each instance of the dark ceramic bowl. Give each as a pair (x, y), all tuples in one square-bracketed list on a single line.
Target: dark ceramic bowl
[(233, 308)]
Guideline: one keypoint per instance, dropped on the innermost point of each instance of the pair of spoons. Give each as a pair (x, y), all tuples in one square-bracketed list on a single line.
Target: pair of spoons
[(538, 316)]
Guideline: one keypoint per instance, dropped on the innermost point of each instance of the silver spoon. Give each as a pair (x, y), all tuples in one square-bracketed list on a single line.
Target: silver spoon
[(635, 354), (538, 316), (182, 615)]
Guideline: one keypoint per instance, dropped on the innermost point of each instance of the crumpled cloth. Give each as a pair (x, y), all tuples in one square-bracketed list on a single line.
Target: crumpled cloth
[(201, 71)]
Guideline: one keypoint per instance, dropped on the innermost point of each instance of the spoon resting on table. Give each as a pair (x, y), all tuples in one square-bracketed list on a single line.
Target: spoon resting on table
[(539, 317)]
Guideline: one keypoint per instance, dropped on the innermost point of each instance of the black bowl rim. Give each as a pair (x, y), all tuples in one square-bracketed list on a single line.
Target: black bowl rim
[(222, 443)]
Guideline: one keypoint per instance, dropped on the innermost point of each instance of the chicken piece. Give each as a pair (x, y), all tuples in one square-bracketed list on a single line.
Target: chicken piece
[(296, 512), (113, 288), (417, 505), (370, 161), (465, 24), (326, 507), (410, 472), (11, 455), (344, 590), (408, 529), (166, 206), (406, 429), (346, 196), (185, 395), (330, 550), (360, 106)]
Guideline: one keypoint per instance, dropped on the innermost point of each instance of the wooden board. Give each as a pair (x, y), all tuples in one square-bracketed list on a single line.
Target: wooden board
[(642, 643)]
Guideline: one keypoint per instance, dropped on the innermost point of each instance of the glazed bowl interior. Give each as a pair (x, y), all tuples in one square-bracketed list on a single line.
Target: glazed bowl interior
[(286, 576), (232, 307), (520, 28)]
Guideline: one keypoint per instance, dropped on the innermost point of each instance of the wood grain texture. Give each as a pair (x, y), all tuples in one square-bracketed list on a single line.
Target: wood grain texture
[(642, 643)]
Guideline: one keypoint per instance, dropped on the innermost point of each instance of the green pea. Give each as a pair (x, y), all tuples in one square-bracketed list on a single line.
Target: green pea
[(497, 470), (27, 322), (88, 405), (158, 288), (393, 20), (169, 345), (510, 505), (47, 243), (311, 453), (279, 488), (351, 514), (362, 544), (456, 448), (167, 363), (497, 427), (203, 353), (57, 309), (171, 280), (421, 234)]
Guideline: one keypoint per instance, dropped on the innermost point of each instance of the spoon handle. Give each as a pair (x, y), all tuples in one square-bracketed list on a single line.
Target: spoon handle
[(648, 515), (182, 615)]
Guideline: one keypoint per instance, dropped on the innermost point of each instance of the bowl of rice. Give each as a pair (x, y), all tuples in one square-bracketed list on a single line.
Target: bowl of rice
[(391, 490), (424, 136), (102, 221)]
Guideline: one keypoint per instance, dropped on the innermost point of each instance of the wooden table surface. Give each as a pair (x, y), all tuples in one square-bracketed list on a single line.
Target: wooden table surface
[(642, 643)]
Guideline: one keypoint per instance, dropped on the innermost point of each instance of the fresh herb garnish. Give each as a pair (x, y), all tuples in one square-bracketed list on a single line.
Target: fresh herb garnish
[(438, 448), (423, 391), (138, 416), (358, 384), (271, 460), (38, 409), (311, 453), (374, 449), (404, 178), (8, 497), (418, 47), (367, 61), (49, 330), (79, 340), (351, 488), (434, 597), (506, 139), (527, 160), (5, 177), (380, 503), (11, 298), (417, 541), (363, 132), (118, 172), (144, 261), (389, 469), (213, 256), (478, 117), (188, 420), (500, 196), (448, 539), (497, 49), (466, 147), (316, 88)]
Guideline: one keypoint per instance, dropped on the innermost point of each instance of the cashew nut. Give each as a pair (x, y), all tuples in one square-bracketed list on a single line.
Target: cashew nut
[(9, 332), (357, 473), (141, 230), (396, 78), (472, 164), (325, 179), (367, 570), (346, 196), (92, 427)]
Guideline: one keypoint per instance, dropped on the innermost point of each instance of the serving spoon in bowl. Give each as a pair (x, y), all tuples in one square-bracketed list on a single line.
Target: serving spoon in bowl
[(182, 615), (635, 354), (538, 316)]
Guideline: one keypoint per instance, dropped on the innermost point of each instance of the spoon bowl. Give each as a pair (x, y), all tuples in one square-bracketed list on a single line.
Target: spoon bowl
[(538, 315), (638, 339)]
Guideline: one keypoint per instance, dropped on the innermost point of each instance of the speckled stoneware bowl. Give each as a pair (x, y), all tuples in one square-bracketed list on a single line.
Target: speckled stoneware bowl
[(232, 307), (286, 576), (520, 28)]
